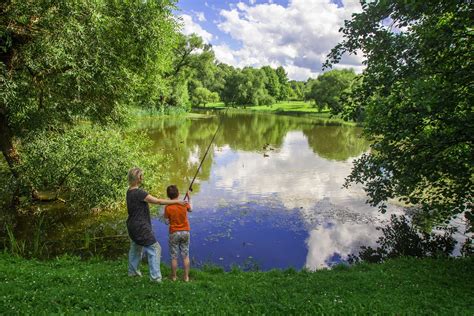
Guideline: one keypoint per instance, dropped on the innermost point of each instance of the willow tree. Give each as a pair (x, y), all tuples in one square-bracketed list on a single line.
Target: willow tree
[(66, 61), (417, 95)]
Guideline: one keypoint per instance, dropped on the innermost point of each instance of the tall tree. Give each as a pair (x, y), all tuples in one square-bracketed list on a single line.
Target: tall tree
[(191, 54), (201, 96), (246, 87), (298, 89), (193, 67), (63, 61), (282, 75), (417, 94), (273, 81), (328, 89), (222, 73), (231, 85), (283, 79)]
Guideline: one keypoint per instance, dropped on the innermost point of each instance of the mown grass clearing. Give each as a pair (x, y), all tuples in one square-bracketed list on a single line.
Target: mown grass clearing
[(402, 286)]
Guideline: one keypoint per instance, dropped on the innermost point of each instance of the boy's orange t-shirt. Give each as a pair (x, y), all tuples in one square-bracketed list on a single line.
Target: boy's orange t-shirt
[(178, 217)]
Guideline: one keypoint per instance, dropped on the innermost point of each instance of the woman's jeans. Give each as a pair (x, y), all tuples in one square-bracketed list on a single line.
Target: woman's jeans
[(153, 253)]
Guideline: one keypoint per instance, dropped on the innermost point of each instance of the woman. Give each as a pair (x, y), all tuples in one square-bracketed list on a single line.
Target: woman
[(139, 226)]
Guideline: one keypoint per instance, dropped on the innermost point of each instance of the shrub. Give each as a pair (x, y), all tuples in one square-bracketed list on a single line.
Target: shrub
[(86, 165)]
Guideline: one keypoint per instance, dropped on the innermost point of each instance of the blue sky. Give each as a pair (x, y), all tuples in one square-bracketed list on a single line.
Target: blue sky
[(295, 34)]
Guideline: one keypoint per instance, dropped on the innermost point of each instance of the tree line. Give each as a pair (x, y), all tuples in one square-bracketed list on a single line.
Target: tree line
[(200, 79)]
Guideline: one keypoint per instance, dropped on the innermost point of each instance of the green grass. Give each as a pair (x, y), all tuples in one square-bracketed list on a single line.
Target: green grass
[(402, 286), (287, 108), (290, 107)]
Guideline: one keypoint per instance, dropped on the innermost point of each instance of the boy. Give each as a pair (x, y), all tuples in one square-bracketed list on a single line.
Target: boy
[(139, 226), (179, 232)]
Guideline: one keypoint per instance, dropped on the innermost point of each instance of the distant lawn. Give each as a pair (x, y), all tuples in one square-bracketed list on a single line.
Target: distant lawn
[(286, 107), (279, 107), (398, 287)]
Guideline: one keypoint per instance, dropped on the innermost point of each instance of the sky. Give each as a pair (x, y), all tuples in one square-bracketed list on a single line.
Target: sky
[(295, 34)]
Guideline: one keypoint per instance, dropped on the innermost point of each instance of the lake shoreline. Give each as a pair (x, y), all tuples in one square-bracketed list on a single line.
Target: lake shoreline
[(290, 108), (399, 286)]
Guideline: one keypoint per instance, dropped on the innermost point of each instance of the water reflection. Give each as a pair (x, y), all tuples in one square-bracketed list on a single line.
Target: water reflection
[(332, 241), (270, 194), (251, 133)]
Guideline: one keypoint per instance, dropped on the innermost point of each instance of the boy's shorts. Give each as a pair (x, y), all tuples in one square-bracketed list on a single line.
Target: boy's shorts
[(179, 242)]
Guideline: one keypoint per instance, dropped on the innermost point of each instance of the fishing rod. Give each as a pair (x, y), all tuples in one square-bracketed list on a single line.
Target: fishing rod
[(190, 189)]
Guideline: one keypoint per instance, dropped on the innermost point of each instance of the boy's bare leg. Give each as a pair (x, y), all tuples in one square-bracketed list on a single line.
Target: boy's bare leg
[(174, 267), (186, 268)]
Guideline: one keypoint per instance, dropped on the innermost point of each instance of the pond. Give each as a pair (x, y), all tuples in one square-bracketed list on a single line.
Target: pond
[(269, 195), (270, 192)]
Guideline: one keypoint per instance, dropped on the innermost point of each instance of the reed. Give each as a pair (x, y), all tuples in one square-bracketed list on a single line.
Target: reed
[(16, 247)]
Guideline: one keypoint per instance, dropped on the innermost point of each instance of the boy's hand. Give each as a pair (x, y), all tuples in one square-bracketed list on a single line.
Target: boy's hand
[(187, 196), (183, 203)]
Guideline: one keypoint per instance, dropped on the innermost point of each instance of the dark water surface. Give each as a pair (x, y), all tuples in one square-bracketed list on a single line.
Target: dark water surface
[(270, 193)]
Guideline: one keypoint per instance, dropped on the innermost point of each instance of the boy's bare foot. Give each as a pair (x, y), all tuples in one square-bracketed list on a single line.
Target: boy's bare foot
[(173, 278), (186, 279)]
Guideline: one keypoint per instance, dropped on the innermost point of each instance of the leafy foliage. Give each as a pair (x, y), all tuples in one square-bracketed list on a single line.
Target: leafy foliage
[(416, 96), (401, 239), (272, 83), (298, 89), (246, 87), (87, 166), (201, 96), (192, 68), (328, 89), (67, 59)]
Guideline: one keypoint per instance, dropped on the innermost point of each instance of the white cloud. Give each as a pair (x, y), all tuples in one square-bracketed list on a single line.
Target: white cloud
[(224, 54), (241, 6), (200, 16), (299, 73), (298, 36), (252, 2), (189, 27)]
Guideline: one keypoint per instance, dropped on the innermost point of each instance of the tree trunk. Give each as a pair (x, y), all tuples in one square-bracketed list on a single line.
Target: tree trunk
[(13, 159), (11, 155), (19, 35), (6, 143)]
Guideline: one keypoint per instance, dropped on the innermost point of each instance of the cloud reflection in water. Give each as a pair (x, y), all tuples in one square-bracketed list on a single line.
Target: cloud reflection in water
[(338, 221)]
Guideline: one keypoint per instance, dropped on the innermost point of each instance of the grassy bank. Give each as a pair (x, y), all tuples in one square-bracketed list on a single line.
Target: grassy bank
[(288, 107), (297, 108), (400, 286)]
